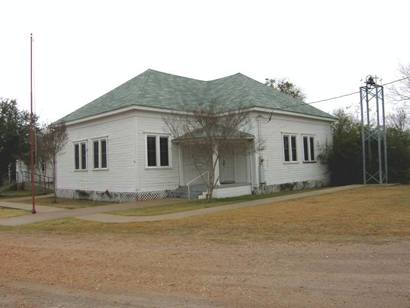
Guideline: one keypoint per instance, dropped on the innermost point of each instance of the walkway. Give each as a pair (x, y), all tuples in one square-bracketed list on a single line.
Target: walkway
[(54, 213), (28, 207), (107, 218), (95, 213)]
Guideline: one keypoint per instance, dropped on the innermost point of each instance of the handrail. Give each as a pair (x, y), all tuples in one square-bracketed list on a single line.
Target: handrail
[(38, 176), (193, 180)]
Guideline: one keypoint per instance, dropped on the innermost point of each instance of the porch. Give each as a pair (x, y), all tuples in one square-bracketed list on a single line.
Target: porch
[(234, 169)]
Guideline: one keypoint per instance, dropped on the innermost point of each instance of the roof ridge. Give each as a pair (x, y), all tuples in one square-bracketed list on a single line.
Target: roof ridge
[(244, 82), (144, 81), (175, 75)]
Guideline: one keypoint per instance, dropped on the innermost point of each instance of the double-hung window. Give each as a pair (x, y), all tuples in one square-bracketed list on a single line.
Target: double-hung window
[(100, 153), (158, 154), (80, 155), (309, 149), (290, 153)]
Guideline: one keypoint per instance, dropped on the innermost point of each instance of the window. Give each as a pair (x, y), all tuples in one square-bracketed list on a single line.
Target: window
[(83, 156), (290, 148), (77, 156), (293, 144), (80, 156), (157, 151), (96, 154), (286, 147), (163, 150), (308, 149), (100, 153), (152, 151), (103, 145), (305, 148)]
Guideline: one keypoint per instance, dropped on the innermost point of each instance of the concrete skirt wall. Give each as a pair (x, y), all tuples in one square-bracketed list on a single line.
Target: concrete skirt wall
[(162, 194), (111, 196)]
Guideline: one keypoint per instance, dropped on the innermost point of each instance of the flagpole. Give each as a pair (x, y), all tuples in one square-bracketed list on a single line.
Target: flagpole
[(33, 192)]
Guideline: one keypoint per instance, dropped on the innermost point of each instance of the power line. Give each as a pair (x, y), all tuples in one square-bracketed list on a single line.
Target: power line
[(353, 93), (394, 81), (332, 98), (341, 96)]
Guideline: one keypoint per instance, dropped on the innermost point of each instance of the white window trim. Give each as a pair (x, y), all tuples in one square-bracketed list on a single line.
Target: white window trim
[(290, 149), (80, 165), (99, 139), (310, 160), (157, 151)]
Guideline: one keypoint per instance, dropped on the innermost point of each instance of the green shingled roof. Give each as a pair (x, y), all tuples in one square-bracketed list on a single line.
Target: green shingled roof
[(165, 91)]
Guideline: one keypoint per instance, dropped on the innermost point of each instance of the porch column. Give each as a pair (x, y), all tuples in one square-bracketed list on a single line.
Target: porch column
[(255, 165), (215, 162), (180, 166)]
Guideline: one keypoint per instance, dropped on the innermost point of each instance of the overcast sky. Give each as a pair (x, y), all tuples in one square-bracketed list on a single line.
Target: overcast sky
[(83, 49)]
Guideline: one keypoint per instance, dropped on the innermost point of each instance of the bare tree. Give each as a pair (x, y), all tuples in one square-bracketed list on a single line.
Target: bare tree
[(51, 142), (399, 120), (285, 86), (204, 132), (401, 92)]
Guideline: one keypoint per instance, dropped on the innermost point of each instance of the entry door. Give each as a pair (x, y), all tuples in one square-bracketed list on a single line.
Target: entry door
[(226, 167)]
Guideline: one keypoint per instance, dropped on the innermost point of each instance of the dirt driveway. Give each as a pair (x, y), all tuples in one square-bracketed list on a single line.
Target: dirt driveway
[(104, 270)]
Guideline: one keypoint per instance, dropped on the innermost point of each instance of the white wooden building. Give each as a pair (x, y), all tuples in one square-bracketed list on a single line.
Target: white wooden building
[(119, 147)]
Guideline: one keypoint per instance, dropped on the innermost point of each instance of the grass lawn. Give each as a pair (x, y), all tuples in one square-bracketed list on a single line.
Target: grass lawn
[(63, 203), (15, 194), (198, 204), (5, 212), (373, 212)]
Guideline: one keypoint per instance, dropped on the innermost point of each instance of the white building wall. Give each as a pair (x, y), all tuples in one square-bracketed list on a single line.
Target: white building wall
[(128, 172), (121, 173), (275, 169), (160, 178)]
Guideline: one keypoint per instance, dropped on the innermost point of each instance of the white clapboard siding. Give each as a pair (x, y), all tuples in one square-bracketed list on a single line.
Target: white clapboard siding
[(122, 166), (276, 171), (127, 171), (161, 178)]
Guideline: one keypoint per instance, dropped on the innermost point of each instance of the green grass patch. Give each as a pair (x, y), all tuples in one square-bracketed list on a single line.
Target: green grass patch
[(5, 212), (371, 213), (64, 203), (14, 194)]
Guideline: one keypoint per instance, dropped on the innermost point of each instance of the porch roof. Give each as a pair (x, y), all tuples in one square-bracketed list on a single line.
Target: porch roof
[(220, 133)]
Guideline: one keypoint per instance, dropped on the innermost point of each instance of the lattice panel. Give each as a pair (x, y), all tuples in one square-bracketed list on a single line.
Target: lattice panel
[(151, 195), (111, 196)]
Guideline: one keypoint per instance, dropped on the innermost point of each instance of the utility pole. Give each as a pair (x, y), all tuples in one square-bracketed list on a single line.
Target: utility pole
[(33, 188), (374, 139)]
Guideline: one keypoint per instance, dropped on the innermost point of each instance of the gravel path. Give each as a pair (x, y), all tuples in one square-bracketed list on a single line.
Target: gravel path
[(166, 271)]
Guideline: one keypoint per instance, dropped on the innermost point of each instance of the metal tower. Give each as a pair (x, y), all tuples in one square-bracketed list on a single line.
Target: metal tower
[(374, 143)]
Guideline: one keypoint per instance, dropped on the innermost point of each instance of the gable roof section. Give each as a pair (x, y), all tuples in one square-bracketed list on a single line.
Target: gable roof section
[(159, 90)]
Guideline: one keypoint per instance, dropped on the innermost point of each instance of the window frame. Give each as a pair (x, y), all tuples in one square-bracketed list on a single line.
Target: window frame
[(99, 140), (80, 160), (158, 151), (290, 151), (309, 150)]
